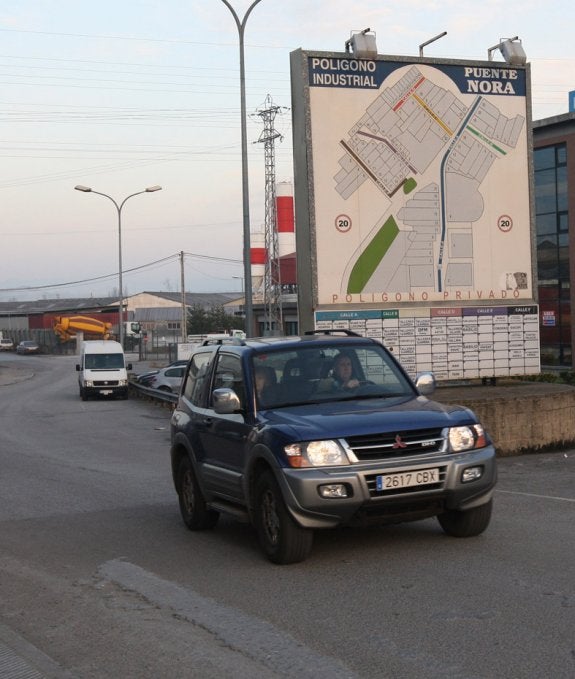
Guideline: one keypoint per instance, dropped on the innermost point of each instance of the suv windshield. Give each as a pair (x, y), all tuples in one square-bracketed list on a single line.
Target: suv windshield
[(309, 374)]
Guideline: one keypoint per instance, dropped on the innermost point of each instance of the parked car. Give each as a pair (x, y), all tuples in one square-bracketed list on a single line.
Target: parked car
[(145, 378), (6, 345), (28, 347), (334, 433), (167, 379)]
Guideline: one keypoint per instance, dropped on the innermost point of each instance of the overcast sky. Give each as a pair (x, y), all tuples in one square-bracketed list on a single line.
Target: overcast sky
[(120, 96)]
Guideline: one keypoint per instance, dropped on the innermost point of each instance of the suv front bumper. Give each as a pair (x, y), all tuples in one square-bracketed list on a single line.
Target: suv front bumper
[(364, 503)]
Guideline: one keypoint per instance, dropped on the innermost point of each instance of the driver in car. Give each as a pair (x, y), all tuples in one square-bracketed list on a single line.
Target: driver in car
[(342, 373)]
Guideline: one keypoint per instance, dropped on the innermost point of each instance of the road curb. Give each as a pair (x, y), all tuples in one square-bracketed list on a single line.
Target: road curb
[(19, 659)]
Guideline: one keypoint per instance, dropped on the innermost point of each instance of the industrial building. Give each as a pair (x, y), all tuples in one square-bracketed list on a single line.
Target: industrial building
[(554, 181)]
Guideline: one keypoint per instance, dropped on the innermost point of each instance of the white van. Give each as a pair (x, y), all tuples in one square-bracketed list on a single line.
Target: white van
[(102, 370)]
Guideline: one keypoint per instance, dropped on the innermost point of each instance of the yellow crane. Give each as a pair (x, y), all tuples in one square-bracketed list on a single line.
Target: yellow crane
[(66, 327)]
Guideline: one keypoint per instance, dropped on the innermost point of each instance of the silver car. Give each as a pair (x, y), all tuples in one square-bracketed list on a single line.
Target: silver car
[(28, 347), (168, 379)]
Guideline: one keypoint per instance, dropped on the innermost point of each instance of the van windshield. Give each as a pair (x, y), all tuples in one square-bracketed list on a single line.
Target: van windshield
[(104, 361)]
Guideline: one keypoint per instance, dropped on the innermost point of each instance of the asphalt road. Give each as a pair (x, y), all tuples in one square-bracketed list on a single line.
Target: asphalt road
[(99, 578)]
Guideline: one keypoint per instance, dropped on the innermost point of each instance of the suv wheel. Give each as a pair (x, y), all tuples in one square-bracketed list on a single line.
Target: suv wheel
[(468, 523), (282, 540), (193, 508)]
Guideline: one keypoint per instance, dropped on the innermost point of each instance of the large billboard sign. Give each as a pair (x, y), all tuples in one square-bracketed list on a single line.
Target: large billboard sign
[(411, 181)]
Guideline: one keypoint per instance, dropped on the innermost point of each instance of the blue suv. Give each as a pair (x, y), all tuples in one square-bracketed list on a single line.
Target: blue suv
[(295, 434)]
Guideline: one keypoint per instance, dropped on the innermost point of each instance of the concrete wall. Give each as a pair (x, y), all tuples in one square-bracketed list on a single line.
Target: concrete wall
[(521, 418)]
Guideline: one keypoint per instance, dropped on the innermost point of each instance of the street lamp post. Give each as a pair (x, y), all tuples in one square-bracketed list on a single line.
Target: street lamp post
[(150, 189), (248, 301)]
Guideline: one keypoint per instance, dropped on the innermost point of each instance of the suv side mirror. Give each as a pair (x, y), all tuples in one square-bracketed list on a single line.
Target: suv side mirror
[(225, 401), (78, 367), (425, 383)]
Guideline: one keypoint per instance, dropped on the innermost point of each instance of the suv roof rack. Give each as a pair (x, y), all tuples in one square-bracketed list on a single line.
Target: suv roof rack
[(223, 340), (335, 331)]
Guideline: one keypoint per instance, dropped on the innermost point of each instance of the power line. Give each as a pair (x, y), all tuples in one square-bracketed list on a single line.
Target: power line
[(213, 259), (85, 281), (131, 38), (205, 225), (146, 65)]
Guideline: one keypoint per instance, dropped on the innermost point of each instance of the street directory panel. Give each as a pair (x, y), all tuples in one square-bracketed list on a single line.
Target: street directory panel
[(413, 198), (454, 343)]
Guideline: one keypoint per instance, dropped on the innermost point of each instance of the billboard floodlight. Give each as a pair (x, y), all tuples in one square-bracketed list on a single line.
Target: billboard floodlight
[(362, 44), (511, 50), (428, 42)]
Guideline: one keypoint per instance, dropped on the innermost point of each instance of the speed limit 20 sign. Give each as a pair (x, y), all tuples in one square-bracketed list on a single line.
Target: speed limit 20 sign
[(343, 223), (505, 223)]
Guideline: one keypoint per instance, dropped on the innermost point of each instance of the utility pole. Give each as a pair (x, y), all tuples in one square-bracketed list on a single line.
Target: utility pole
[(184, 318), (272, 274)]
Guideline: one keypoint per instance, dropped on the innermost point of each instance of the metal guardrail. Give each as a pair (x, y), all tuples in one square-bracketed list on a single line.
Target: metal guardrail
[(154, 394)]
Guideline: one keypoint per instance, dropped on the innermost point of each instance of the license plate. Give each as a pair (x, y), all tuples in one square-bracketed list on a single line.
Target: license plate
[(106, 392), (421, 477)]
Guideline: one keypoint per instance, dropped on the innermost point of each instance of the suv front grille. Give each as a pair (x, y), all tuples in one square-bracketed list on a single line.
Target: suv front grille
[(397, 444)]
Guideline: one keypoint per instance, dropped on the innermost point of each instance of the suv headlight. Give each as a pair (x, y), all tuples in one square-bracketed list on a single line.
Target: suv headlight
[(466, 438), (316, 454)]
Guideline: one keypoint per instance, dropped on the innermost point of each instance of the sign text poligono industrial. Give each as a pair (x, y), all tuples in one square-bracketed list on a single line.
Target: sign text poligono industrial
[(369, 74)]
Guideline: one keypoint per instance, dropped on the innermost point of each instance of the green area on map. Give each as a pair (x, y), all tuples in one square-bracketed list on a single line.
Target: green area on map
[(371, 257), (409, 185)]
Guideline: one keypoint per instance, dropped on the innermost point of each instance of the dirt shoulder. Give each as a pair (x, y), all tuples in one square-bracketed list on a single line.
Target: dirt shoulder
[(14, 374)]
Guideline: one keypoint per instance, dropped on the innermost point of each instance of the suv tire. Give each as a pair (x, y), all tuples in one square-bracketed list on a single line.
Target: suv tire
[(466, 524), (282, 540), (193, 508)]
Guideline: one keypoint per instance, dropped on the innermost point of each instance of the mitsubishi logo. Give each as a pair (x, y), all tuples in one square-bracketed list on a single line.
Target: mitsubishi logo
[(399, 442)]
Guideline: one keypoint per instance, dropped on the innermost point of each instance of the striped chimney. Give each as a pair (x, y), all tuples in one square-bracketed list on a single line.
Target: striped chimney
[(285, 218), (258, 258)]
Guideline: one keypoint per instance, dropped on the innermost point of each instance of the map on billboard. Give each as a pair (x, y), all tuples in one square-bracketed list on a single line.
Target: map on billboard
[(420, 181)]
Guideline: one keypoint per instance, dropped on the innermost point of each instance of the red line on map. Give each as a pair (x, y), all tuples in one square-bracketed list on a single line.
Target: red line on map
[(402, 101)]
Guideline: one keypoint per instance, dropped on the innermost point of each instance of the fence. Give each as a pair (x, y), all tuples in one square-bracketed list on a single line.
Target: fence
[(50, 344)]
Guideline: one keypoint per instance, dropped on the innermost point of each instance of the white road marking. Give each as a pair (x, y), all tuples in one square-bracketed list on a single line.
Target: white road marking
[(544, 497)]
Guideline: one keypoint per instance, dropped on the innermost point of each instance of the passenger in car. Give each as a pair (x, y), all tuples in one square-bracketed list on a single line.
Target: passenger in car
[(264, 378), (261, 379)]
